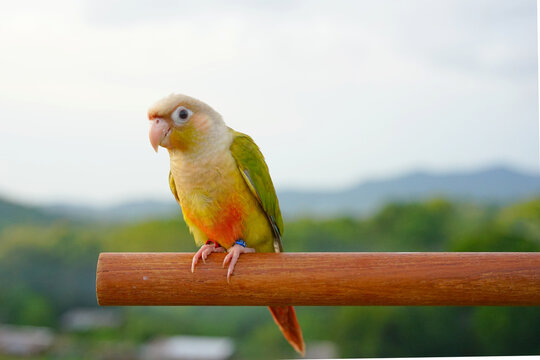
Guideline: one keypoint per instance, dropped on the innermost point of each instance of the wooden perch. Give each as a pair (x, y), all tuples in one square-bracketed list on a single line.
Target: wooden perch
[(321, 279)]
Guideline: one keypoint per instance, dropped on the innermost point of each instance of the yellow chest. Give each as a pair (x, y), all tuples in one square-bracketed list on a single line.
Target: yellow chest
[(216, 200)]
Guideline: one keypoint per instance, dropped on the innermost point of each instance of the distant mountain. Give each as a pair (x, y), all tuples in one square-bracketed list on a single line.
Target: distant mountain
[(495, 185), (128, 211), (12, 213)]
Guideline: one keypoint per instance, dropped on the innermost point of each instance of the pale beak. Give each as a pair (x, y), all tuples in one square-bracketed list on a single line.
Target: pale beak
[(158, 130)]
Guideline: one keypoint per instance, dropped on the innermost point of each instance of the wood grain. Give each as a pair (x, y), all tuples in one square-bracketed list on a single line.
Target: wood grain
[(321, 279)]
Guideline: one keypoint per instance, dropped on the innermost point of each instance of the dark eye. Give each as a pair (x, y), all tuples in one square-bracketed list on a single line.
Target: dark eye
[(183, 114)]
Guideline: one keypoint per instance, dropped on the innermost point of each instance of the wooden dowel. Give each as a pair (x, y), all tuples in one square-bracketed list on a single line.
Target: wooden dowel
[(321, 279)]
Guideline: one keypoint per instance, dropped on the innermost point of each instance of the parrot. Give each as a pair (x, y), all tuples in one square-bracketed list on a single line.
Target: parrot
[(221, 181)]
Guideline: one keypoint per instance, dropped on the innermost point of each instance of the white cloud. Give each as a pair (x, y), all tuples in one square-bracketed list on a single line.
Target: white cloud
[(332, 92)]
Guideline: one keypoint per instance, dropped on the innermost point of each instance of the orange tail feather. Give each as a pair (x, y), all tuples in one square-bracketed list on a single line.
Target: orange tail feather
[(285, 318)]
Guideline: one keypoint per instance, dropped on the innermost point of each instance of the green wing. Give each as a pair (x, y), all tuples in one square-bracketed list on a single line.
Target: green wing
[(253, 168), (173, 187)]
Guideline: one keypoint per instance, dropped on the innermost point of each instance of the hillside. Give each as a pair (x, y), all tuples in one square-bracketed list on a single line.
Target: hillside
[(123, 212), (496, 185), (12, 213)]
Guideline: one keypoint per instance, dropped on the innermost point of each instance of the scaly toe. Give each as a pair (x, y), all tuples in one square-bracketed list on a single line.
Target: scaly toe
[(203, 253), (232, 258), (193, 263)]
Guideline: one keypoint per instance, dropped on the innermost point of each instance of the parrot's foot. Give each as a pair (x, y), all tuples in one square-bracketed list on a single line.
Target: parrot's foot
[(232, 257), (203, 253)]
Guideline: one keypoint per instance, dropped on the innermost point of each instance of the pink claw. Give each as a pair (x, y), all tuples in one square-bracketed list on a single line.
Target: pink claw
[(203, 253), (232, 257)]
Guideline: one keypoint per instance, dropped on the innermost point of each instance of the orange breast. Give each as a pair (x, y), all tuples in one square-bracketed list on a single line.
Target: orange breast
[(223, 224)]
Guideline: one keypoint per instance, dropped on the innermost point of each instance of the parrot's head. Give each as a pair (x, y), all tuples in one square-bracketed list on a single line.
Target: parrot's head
[(180, 122)]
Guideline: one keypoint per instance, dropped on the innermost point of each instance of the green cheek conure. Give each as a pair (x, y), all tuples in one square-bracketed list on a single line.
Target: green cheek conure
[(221, 181)]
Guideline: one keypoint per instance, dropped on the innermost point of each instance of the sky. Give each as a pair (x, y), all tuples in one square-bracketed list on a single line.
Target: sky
[(334, 92)]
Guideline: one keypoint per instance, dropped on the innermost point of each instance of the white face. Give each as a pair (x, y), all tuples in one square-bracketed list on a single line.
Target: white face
[(173, 114), (179, 117)]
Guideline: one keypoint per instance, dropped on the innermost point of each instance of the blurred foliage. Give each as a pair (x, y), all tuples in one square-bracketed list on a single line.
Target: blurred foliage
[(48, 267)]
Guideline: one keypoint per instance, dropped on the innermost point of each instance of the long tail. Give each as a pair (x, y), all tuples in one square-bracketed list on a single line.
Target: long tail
[(285, 318)]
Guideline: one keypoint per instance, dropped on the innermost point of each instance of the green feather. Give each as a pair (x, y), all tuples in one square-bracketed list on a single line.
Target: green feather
[(173, 187), (253, 168)]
